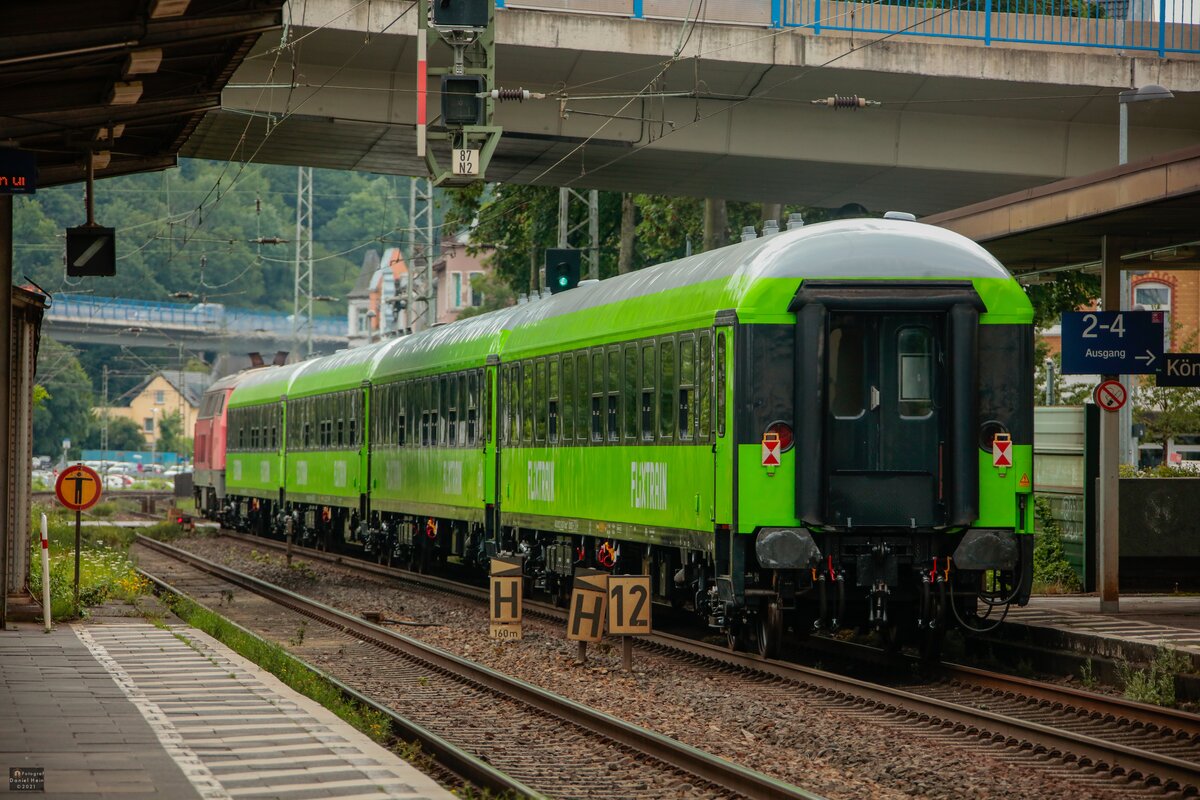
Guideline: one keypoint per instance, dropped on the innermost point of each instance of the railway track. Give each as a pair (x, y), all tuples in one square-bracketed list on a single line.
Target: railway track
[(526, 732), (1107, 739)]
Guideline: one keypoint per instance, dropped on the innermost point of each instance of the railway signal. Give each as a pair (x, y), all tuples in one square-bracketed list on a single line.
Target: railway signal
[(563, 268)]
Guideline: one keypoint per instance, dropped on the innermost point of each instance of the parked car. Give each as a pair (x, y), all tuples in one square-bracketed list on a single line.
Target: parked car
[(112, 481)]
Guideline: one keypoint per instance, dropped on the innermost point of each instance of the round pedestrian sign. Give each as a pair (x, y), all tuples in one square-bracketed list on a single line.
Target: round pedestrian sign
[(1110, 395), (78, 487)]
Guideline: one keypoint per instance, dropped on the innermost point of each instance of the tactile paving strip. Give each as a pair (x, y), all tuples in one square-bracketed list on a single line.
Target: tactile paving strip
[(236, 731)]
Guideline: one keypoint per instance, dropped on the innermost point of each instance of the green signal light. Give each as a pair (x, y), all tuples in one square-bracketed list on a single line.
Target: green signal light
[(562, 280)]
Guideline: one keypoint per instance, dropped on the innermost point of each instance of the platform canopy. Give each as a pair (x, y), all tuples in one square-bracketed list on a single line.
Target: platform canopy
[(128, 80), (1151, 207)]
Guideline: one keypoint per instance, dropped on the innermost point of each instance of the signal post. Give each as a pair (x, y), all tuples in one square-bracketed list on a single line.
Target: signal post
[(78, 488)]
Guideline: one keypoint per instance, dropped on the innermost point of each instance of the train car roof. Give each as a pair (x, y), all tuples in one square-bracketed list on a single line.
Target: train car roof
[(227, 382), (459, 345), (345, 369), (690, 290), (264, 385)]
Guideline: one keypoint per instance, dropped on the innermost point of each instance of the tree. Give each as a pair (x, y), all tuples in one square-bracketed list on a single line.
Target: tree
[(66, 411), (170, 434), (1066, 292), (123, 434)]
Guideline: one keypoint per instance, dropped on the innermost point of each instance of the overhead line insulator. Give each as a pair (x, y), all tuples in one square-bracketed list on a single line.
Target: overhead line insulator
[(846, 101)]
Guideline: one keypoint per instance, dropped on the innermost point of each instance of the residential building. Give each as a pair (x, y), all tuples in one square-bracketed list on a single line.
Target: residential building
[(159, 396), (452, 276), (358, 305)]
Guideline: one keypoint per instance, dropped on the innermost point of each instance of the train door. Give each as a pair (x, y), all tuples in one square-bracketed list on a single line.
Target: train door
[(723, 443), (491, 406), (886, 416)]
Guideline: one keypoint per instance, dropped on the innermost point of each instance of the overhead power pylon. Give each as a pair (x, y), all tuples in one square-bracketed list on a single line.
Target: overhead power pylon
[(463, 33)]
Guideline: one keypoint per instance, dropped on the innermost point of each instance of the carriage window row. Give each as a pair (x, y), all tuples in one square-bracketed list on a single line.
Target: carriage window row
[(255, 427), (654, 390), (327, 421), (437, 411)]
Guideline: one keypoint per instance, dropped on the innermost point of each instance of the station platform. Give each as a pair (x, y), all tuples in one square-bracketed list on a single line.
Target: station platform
[(1143, 624), (117, 707)]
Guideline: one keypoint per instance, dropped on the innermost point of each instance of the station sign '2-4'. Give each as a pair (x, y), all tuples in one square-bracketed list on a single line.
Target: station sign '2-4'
[(1112, 342)]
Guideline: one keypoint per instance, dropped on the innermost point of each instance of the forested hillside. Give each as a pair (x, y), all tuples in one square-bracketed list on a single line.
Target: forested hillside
[(209, 213)]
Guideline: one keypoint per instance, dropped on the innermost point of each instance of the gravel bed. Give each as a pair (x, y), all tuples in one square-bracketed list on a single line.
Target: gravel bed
[(775, 729)]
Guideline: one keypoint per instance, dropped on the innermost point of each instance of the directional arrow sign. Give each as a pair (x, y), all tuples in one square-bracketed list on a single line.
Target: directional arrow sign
[(91, 251), (1112, 342)]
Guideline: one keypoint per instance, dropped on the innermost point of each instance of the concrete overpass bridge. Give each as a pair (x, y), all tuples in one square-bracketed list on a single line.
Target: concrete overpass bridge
[(83, 319), (975, 103)]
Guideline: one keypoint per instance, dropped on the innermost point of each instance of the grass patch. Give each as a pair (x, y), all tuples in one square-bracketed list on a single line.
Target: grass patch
[(105, 571), (283, 665), (1156, 682)]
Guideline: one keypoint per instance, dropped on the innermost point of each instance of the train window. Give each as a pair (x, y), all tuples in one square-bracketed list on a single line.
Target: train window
[(721, 383), (704, 378), (341, 432), (915, 353), (462, 405), (630, 391), (539, 393), (666, 388), (442, 407), (472, 405), (648, 392), (568, 397), (552, 394), (509, 396), (687, 386), (527, 402), (597, 396), (614, 395), (847, 356), (485, 403), (581, 396), (452, 414)]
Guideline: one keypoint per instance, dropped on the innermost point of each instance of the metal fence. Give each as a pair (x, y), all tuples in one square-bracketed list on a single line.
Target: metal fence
[(1153, 26), (210, 318)]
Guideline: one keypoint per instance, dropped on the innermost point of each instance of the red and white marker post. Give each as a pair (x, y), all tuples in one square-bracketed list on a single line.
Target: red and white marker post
[(46, 572)]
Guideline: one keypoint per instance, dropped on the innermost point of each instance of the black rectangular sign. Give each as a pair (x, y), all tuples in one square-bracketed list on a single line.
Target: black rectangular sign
[(27, 779), (18, 171), (91, 251), (1179, 369)]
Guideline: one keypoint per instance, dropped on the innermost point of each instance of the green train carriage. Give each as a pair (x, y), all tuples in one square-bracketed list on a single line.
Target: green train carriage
[(891, 354), (624, 424), (433, 447)]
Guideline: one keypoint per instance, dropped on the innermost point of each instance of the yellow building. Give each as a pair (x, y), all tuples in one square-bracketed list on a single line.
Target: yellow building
[(161, 395)]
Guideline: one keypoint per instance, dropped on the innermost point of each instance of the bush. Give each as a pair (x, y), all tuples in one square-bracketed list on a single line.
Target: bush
[(1051, 570)]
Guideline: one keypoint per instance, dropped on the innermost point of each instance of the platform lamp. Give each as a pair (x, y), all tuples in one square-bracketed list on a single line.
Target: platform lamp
[(1142, 94)]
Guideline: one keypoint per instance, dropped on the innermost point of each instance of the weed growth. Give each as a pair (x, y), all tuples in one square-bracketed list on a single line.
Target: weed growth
[(1156, 683)]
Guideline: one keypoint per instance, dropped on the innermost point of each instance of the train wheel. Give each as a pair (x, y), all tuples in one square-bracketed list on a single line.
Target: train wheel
[(735, 637), (770, 630)]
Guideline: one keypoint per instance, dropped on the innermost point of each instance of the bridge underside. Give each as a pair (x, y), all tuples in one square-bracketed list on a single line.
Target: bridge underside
[(960, 122)]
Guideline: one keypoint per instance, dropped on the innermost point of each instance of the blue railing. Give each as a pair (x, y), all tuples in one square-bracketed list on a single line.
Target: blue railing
[(1150, 26), (1114, 24), (208, 318)]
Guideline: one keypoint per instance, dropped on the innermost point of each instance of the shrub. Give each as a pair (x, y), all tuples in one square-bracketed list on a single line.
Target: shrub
[(1051, 570)]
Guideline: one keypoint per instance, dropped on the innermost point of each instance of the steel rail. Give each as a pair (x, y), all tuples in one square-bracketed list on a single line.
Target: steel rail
[(669, 751), (1124, 758), (447, 755)]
